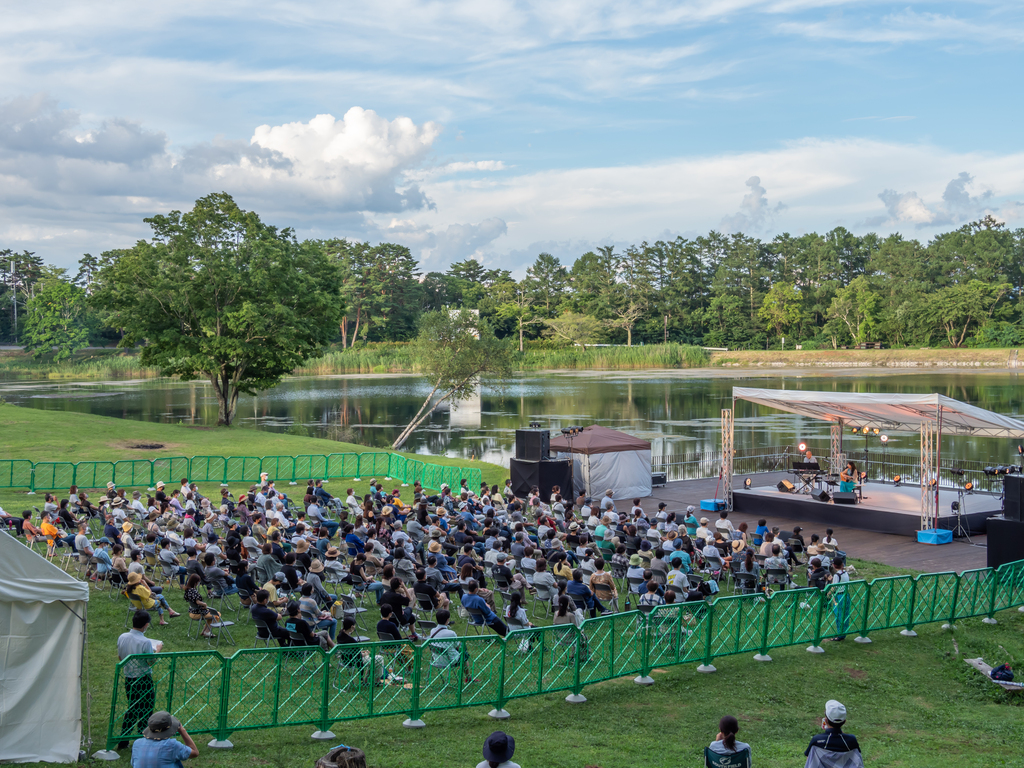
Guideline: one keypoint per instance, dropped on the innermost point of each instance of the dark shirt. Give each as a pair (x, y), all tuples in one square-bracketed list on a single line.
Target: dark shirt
[(291, 573), (833, 742), (112, 533), (397, 602), (467, 560), (300, 627), (277, 551), (577, 588), (245, 583), (390, 627), (423, 588), (503, 571), (264, 614)]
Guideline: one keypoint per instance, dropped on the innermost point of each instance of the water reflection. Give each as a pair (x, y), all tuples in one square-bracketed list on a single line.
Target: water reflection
[(679, 414)]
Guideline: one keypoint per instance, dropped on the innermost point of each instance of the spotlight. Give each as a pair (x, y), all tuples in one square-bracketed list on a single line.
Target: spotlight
[(1020, 450), (876, 430), (991, 471), (802, 447), (534, 425), (956, 471), (931, 483), (566, 431), (884, 439), (969, 486), (746, 483), (856, 430), (896, 481), (865, 430), (955, 506)]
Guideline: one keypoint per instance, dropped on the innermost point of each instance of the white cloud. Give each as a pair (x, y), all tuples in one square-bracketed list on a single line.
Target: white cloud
[(755, 214), (958, 206), (905, 27)]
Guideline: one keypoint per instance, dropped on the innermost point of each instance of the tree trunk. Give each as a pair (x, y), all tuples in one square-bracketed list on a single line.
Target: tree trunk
[(629, 336), (355, 333), (344, 332), (520, 334)]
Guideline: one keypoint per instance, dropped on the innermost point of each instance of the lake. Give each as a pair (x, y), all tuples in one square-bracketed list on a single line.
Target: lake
[(678, 411)]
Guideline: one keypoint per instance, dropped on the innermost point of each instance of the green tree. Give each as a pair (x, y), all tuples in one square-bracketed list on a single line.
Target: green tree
[(218, 294), (959, 308), (456, 348), (781, 307), (574, 329), (515, 303), (547, 281), (88, 265), (54, 320)]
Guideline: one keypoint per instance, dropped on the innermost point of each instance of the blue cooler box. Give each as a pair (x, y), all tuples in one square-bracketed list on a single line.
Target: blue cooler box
[(934, 536), (712, 505)]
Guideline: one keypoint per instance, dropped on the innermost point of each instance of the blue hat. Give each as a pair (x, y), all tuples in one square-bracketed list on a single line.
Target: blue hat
[(104, 540), (499, 747)]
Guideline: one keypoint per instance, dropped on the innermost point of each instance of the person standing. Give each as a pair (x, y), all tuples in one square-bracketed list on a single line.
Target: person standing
[(158, 748), (138, 675), (840, 598)]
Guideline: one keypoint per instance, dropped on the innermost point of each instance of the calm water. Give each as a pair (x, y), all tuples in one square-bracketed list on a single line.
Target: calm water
[(677, 411)]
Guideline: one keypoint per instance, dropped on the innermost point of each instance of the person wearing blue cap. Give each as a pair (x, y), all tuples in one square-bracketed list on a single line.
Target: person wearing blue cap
[(498, 750)]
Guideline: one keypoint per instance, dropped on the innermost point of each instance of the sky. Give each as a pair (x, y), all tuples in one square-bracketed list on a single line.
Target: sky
[(497, 129)]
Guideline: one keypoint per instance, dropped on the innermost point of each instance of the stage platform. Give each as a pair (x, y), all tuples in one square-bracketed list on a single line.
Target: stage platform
[(884, 509)]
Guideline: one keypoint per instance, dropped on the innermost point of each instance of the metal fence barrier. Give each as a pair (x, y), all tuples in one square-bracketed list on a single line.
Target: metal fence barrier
[(266, 688), (58, 475)]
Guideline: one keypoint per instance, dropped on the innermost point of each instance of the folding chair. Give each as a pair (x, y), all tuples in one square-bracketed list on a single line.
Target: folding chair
[(635, 582), (604, 594), (543, 596), (261, 626), (350, 609), (777, 577), (737, 760), (745, 583)]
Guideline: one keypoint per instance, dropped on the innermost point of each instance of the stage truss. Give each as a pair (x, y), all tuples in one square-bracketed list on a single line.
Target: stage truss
[(728, 453)]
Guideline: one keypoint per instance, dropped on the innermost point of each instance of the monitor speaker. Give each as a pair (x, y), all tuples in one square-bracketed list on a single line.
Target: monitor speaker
[(525, 475), (543, 474), (532, 444), (1012, 497), (785, 486), (1005, 541), (844, 498), (819, 494)]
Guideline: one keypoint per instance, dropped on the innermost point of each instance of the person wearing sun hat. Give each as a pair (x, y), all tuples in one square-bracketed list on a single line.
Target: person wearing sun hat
[(832, 747), (498, 750), (158, 748)]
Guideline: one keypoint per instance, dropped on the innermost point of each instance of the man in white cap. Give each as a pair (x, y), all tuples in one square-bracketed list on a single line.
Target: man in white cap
[(832, 748), (158, 748), (607, 502)]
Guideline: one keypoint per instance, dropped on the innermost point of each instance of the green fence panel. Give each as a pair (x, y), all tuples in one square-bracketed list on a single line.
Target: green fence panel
[(341, 465), (890, 602), (430, 477), (974, 597), (738, 624), (614, 646), (187, 684), (170, 470), (394, 698), (16, 473), (373, 465), (242, 469), (53, 475), (460, 673), (396, 466), (283, 686), (281, 469), (137, 473), (311, 467), (1009, 585), (415, 471), (677, 634), (540, 660), (207, 469), (87, 474), (793, 615), (933, 600), (846, 608)]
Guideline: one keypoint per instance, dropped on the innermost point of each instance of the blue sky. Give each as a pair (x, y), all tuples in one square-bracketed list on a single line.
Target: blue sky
[(499, 129)]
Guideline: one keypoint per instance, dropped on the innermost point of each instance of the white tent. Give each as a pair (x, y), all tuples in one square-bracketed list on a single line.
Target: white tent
[(42, 631), (604, 458)]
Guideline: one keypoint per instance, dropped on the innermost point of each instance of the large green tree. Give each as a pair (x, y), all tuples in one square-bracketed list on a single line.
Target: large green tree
[(218, 294), (55, 319)]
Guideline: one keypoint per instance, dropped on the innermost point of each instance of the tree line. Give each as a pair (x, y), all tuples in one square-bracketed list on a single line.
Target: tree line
[(963, 287)]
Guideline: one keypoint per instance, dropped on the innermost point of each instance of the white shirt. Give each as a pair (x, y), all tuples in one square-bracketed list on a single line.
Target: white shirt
[(607, 503), (506, 764), (703, 532)]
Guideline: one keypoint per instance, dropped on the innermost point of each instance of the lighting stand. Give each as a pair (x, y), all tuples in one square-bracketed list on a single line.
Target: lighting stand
[(963, 527)]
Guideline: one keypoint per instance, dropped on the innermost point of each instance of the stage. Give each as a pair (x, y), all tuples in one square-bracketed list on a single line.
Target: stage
[(884, 509)]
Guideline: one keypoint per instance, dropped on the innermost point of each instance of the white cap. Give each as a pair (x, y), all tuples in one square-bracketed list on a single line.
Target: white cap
[(835, 712)]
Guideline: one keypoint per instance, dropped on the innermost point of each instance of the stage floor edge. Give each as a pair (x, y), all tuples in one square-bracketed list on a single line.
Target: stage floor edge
[(885, 509)]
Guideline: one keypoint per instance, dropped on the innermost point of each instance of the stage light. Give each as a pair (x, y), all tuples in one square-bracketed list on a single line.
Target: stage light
[(802, 447), (884, 439), (896, 481), (866, 430), (876, 430), (746, 483), (969, 486), (931, 483), (1020, 450), (856, 430), (955, 506), (566, 430), (534, 425)]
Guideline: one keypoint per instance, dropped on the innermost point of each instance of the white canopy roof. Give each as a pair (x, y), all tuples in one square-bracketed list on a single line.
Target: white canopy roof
[(25, 577), (886, 411)]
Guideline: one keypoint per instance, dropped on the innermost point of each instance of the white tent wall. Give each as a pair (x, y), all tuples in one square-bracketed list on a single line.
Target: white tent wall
[(40, 687), (42, 632), (627, 473)]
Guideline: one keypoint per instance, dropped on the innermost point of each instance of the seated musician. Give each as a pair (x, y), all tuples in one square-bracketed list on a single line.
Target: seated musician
[(848, 478), (809, 457)]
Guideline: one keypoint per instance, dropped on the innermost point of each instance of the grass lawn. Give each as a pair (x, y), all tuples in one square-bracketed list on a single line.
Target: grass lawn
[(28, 433)]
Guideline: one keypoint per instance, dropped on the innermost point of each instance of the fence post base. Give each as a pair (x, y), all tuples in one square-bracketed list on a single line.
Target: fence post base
[(220, 744), (908, 633), (292, 483), (323, 736), (862, 639), (762, 657), (106, 754), (1021, 609), (707, 669), (576, 698), (949, 626), (414, 724), (644, 680), (499, 714), (989, 620), (815, 649), (30, 493)]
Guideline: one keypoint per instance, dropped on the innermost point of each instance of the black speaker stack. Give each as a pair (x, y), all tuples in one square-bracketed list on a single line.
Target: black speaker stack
[(533, 465), (1012, 497)]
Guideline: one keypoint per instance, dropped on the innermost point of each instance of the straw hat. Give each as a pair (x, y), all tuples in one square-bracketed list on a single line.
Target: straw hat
[(436, 533), (316, 567), (737, 545), (332, 552), (134, 578), (434, 547), (302, 546), (127, 527)]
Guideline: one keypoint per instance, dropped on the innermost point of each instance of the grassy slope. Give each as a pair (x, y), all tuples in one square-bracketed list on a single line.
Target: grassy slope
[(984, 358), (27, 433), (909, 699)]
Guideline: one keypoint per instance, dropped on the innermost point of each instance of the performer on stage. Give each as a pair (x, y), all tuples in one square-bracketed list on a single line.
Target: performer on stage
[(848, 478), (809, 457)]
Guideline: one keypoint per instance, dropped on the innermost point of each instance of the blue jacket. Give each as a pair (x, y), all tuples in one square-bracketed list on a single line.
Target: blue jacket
[(477, 603)]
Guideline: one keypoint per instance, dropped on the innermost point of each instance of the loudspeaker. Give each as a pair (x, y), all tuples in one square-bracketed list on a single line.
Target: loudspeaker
[(543, 474), (1005, 541), (1012, 499), (532, 444), (844, 498), (819, 494), (785, 486)]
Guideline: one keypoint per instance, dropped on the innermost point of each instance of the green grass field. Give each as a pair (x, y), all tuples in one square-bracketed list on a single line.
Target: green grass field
[(912, 702)]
